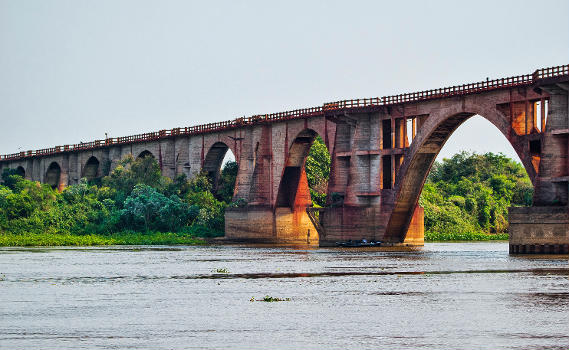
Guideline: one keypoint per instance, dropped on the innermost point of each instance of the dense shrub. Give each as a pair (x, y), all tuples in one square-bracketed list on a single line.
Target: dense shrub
[(134, 197), (471, 193)]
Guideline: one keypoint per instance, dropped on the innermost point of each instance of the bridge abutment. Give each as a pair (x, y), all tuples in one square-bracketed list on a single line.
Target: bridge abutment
[(544, 227)]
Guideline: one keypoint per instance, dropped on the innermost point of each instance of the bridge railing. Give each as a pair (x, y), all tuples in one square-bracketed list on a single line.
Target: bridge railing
[(353, 103), (459, 89), (306, 112), (551, 72)]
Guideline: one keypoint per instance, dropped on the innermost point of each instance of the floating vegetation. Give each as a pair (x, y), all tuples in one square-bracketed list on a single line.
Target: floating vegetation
[(224, 270), (269, 299)]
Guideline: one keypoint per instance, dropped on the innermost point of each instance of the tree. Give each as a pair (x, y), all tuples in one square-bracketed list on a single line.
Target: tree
[(147, 209), (130, 172), (227, 180), (318, 171), (470, 191)]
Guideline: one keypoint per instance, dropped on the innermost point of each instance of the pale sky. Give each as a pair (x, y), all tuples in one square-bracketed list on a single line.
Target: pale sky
[(71, 71)]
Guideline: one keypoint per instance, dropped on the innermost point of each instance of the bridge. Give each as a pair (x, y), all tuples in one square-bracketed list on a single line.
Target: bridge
[(381, 149)]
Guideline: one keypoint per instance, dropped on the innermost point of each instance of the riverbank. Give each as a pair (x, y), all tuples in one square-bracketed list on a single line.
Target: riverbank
[(127, 238), (172, 238), (465, 236)]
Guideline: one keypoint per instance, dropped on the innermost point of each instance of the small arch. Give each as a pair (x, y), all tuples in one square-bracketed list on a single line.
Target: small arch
[(91, 169), (53, 175), (21, 171), (213, 161), (145, 153)]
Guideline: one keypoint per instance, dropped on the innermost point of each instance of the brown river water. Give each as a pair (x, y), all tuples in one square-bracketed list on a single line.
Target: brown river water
[(441, 296)]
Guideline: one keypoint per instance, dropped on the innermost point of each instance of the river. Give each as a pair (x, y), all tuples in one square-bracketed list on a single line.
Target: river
[(441, 296)]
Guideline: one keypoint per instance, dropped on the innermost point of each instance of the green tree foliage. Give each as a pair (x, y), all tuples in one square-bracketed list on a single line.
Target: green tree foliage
[(206, 210), (134, 197), (130, 172), (227, 182), (147, 209), (318, 171), (471, 193)]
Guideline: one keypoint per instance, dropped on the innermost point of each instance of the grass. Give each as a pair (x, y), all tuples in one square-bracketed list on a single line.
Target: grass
[(464, 236), (127, 238), (170, 238)]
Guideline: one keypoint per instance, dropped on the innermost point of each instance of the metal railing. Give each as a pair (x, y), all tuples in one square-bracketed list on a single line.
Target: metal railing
[(460, 89), (464, 89), (551, 72)]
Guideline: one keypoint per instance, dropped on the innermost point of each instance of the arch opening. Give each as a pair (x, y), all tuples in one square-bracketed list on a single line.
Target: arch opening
[(145, 153), (221, 168), (304, 182), (468, 191), (53, 175), (302, 189), (91, 169), (21, 171)]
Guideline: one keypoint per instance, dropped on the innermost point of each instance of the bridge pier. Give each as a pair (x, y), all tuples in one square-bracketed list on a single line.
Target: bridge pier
[(539, 230), (356, 223), (262, 224)]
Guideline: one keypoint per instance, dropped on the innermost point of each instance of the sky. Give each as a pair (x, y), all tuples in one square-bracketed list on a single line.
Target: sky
[(71, 71)]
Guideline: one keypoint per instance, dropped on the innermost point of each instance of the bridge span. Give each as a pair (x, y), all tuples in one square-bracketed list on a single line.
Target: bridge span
[(381, 149)]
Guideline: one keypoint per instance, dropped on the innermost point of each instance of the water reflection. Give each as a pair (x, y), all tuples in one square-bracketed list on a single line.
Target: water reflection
[(544, 300)]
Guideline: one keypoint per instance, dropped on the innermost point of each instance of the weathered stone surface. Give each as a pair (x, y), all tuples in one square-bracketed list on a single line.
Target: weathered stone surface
[(539, 225)]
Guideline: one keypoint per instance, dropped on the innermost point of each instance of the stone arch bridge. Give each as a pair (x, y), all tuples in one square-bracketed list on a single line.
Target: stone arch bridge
[(381, 149)]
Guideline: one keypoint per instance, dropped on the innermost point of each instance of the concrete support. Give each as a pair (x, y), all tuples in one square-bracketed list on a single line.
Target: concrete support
[(539, 230), (256, 224)]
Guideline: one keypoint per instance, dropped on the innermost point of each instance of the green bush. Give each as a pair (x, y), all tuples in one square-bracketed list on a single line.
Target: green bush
[(469, 194), (134, 198), (147, 209), (318, 171)]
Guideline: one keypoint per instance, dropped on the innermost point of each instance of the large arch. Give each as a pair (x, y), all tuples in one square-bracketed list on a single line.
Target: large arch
[(91, 170), (427, 144), (53, 175)]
